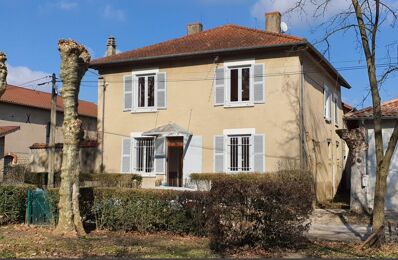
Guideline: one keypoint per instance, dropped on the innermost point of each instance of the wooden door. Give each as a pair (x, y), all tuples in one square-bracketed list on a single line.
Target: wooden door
[(175, 148)]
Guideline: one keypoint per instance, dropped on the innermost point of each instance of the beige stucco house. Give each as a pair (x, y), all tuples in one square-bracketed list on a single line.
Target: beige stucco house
[(229, 99), (29, 110)]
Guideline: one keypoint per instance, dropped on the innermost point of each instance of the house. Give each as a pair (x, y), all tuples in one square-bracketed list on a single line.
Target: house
[(4, 130), (29, 110), (363, 118), (229, 99)]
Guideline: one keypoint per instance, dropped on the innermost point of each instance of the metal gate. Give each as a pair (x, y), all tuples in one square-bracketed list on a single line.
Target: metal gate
[(38, 210)]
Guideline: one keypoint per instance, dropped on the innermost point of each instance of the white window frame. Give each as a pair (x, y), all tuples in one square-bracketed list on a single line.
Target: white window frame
[(144, 73), (230, 133), (239, 64), (133, 137), (327, 101), (336, 110)]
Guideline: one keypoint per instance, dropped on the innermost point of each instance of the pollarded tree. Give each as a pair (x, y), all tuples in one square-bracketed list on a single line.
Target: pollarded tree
[(3, 73), (364, 18), (74, 63)]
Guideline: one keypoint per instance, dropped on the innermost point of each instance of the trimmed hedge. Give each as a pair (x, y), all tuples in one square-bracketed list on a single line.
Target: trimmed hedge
[(260, 210), (13, 204)]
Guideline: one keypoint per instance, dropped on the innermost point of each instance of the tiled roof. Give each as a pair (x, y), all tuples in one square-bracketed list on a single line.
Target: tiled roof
[(38, 99), (5, 130), (347, 108), (389, 109), (225, 37)]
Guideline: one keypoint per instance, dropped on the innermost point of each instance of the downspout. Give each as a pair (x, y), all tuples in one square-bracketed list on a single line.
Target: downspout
[(301, 120), (102, 167)]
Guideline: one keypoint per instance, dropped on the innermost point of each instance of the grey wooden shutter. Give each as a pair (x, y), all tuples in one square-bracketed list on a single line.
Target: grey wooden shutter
[(219, 153), (219, 86), (128, 93), (160, 155), (259, 154), (126, 155), (258, 83), (161, 91)]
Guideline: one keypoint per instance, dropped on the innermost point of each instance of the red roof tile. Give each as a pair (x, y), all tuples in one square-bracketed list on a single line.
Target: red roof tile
[(389, 109), (39, 99), (220, 38), (5, 130)]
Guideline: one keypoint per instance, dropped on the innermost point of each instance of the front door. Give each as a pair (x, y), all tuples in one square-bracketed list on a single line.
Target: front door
[(174, 161)]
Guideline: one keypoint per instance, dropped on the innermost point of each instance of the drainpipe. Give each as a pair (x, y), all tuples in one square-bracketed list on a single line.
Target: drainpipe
[(301, 119), (102, 167)]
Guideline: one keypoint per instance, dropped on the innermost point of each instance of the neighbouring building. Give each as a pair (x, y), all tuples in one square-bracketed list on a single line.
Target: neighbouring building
[(229, 99), (4, 130), (29, 110), (363, 118)]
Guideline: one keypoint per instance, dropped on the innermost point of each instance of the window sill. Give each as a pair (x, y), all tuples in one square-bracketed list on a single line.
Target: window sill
[(144, 110), (231, 105)]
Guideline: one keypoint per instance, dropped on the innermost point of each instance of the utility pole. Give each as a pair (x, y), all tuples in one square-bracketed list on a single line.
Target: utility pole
[(53, 123), (102, 167)]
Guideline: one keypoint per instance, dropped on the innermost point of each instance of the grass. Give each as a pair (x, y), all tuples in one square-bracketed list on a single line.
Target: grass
[(20, 241)]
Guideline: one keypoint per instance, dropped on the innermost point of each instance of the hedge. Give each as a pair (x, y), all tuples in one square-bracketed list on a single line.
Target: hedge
[(13, 204), (240, 210), (260, 210)]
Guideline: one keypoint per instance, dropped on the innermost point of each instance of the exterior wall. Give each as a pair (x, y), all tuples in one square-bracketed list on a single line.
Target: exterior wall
[(190, 104), (35, 130), (391, 201), (327, 166)]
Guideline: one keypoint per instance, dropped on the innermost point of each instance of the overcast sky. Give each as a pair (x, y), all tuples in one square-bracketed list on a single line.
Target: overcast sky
[(31, 30)]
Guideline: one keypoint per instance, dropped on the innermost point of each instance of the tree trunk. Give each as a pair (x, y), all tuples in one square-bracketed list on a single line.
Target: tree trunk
[(74, 63), (3, 73)]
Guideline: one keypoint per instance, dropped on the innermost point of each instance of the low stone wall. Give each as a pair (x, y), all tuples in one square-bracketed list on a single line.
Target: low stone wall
[(39, 155)]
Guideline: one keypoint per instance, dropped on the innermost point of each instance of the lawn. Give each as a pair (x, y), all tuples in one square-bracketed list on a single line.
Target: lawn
[(38, 242)]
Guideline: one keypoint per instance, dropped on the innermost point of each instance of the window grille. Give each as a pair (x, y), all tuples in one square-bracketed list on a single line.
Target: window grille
[(239, 153), (144, 154)]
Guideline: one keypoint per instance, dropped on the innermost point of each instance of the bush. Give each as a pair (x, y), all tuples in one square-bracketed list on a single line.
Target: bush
[(150, 210), (260, 210), (13, 204), (112, 180)]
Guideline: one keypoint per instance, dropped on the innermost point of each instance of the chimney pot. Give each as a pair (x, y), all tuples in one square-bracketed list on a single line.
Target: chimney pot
[(273, 22), (111, 46), (194, 28)]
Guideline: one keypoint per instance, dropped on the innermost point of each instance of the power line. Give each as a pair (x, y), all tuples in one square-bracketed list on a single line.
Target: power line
[(31, 81)]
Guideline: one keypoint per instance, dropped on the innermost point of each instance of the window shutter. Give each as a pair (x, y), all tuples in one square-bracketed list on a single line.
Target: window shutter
[(160, 155), (219, 153), (259, 153), (161, 91), (128, 93), (126, 155), (258, 83), (326, 103), (219, 86)]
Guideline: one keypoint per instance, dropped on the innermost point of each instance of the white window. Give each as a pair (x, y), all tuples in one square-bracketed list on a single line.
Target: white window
[(145, 91), (327, 104), (239, 85), (336, 110), (239, 153), (144, 155)]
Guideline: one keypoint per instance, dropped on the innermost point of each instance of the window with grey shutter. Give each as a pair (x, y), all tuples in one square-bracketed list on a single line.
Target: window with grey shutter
[(219, 153), (258, 83), (219, 86), (161, 91), (160, 155), (128, 93), (126, 155), (259, 153)]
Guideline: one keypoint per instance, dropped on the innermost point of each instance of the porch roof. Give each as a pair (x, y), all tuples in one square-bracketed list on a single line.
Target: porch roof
[(168, 129)]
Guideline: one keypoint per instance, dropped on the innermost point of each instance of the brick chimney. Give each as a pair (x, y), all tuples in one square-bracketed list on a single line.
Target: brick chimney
[(194, 28), (111, 46), (273, 22)]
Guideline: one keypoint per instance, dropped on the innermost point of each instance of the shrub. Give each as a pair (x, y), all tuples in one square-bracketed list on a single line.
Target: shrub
[(112, 180), (13, 204), (150, 210), (260, 210)]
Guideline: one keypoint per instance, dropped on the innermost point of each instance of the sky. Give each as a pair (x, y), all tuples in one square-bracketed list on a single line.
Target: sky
[(31, 30)]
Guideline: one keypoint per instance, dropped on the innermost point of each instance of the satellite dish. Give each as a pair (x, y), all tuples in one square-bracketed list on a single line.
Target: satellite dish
[(284, 27)]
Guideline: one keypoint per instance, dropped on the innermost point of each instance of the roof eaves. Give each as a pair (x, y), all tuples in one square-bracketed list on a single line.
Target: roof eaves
[(188, 54)]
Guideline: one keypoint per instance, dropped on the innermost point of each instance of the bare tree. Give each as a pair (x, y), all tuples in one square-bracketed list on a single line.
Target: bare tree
[(3, 73), (364, 18), (74, 64)]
